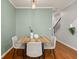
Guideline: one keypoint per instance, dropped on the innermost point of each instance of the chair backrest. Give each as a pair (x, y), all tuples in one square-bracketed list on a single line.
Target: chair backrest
[(34, 49), (51, 44), (14, 40)]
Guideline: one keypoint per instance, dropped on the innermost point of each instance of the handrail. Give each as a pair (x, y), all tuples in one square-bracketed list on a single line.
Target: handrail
[(56, 24)]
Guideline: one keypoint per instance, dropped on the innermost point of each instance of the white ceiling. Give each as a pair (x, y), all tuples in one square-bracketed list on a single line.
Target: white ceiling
[(60, 4)]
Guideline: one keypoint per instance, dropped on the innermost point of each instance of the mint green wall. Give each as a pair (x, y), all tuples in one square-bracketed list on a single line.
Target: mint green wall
[(7, 25), (39, 19)]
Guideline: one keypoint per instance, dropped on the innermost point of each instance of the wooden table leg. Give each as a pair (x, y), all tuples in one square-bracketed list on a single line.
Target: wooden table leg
[(25, 51), (43, 50)]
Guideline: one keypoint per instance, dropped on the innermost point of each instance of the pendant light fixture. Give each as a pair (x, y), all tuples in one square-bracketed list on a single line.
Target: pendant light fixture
[(33, 4)]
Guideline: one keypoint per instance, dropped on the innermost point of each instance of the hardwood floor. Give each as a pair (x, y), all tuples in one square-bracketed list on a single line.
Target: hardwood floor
[(61, 52)]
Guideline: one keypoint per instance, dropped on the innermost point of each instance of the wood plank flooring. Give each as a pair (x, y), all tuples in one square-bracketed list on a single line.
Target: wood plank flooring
[(61, 52)]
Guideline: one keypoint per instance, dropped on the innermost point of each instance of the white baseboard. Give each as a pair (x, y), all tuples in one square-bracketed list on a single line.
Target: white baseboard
[(67, 45), (6, 52)]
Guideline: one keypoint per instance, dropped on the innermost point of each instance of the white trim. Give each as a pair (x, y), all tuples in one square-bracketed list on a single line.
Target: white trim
[(69, 5), (67, 45), (31, 7), (6, 52), (27, 7), (12, 3), (37, 7)]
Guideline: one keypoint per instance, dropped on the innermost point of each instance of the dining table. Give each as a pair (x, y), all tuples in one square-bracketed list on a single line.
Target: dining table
[(25, 39)]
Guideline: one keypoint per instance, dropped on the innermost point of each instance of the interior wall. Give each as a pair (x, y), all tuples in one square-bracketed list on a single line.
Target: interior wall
[(40, 21), (7, 25), (69, 17)]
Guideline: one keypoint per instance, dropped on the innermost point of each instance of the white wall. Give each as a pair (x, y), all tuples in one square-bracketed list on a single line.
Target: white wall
[(69, 17)]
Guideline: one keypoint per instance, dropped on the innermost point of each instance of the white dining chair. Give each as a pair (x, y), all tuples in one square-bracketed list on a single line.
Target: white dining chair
[(51, 45), (34, 50), (16, 45)]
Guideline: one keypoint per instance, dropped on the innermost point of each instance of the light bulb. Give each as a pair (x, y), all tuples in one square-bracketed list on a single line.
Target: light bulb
[(33, 6)]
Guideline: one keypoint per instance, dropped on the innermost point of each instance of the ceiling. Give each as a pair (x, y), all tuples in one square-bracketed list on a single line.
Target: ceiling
[(60, 4)]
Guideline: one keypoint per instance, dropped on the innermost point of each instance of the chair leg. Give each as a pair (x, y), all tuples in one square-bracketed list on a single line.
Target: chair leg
[(43, 56), (13, 53), (38, 57), (23, 54), (50, 51), (54, 54), (32, 58), (27, 57)]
